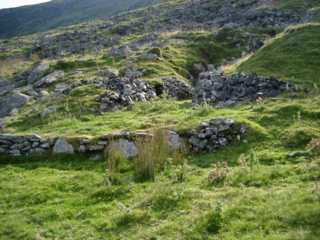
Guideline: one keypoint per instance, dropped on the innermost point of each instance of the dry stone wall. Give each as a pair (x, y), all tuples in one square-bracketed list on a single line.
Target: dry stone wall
[(208, 137)]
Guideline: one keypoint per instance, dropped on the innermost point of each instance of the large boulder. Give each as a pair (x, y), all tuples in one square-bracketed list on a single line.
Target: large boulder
[(61, 146), (127, 148), (11, 102)]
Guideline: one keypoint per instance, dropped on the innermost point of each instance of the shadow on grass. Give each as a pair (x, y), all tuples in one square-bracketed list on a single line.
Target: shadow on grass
[(60, 162)]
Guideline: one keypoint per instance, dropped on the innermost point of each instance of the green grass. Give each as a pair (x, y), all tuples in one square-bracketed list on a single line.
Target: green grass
[(267, 195), (271, 194), (293, 55), (76, 116), (67, 198)]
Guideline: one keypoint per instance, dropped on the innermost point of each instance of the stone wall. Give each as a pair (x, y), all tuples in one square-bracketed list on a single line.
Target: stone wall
[(215, 134), (23, 145), (216, 89), (208, 137)]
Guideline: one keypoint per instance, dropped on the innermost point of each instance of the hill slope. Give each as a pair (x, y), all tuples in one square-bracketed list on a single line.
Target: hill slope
[(293, 55), (42, 17)]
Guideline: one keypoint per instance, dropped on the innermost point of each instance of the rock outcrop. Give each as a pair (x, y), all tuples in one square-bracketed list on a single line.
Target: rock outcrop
[(219, 90)]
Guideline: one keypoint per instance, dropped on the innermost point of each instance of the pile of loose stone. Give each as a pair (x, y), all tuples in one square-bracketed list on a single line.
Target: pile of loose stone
[(215, 134), (176, 89), (216, 89), (125, 91)]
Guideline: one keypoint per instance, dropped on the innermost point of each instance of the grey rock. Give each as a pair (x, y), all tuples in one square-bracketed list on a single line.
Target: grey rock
[(175, 88), (126, 147), (38, 72), (49, 79), (14, 101), (175, 141), (62, 88), (122, 92), (5, 87), (61, 146)]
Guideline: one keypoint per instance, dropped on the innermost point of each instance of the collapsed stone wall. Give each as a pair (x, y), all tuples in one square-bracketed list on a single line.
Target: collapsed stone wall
[(215, 134), (208, 137), (216, 89)]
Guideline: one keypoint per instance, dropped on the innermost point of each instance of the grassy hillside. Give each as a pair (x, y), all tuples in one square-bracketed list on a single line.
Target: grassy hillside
[(293, 55), (264, 187), (269, 188)]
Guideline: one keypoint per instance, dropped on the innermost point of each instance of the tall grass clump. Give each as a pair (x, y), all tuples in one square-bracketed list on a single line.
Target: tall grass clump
[(153, 153), (114, 159)]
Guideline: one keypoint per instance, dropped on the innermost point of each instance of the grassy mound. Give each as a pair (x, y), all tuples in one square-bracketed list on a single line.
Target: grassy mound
[(293, 55)]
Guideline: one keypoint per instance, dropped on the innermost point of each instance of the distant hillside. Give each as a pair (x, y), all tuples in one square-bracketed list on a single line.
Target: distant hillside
[(42, 17)]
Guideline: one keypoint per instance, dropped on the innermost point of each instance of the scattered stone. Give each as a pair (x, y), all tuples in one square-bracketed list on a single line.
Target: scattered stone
[(131, 73), (73, 42)]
